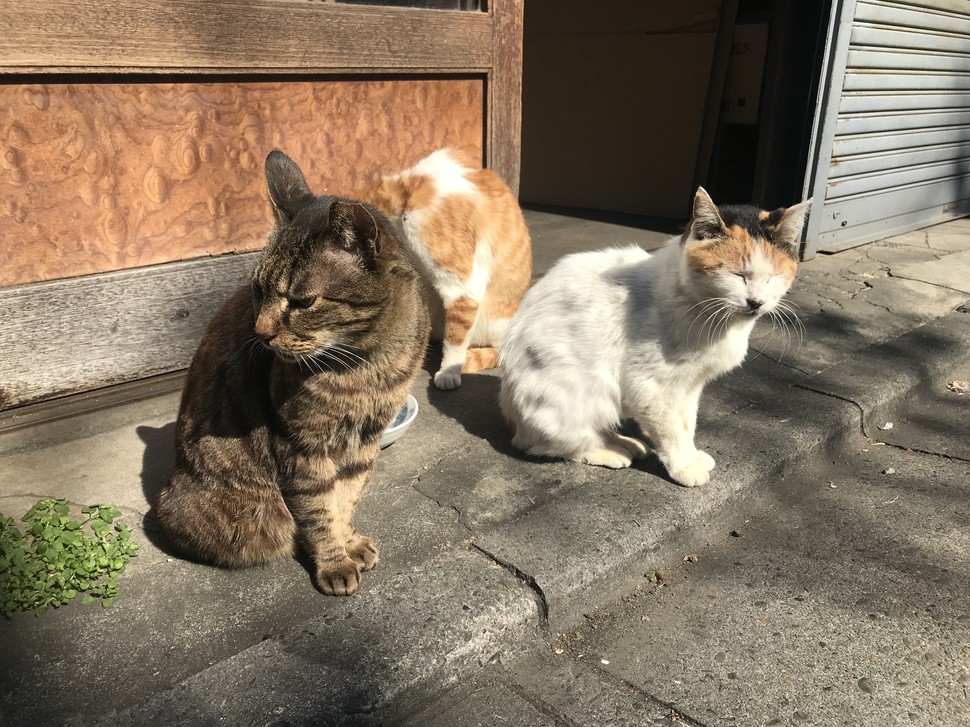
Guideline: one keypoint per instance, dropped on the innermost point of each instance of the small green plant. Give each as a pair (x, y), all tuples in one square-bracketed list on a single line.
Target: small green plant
[(57, 557)]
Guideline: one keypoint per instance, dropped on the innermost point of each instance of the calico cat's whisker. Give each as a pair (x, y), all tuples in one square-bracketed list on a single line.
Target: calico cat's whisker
[(778, 320), (712, 305), (703, 302), (794, 331), (784, 309), (721, 317), (792, 322), (710, 313), (716, 318), (723, 323), (786, 305), (771, 334)]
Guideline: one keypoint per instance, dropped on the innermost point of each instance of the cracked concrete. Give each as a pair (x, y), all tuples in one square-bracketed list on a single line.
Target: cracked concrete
[(481, 549)]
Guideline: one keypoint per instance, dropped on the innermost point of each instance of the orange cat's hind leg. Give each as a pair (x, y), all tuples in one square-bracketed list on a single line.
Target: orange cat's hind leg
[(460, 316), (480, 359)]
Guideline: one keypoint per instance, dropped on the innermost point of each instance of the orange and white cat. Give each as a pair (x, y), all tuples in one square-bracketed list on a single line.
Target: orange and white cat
[(467, 235)]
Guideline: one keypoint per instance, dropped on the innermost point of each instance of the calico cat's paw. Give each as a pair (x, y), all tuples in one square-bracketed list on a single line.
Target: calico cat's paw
[(696, 473), (612, 456), (449, 378), (363, 552), (338, 579)]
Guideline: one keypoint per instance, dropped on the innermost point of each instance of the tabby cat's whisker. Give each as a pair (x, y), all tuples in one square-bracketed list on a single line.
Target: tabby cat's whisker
[(342, 349)]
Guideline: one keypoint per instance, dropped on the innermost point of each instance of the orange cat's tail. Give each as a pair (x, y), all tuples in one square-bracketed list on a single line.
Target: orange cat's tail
[(479, 359)]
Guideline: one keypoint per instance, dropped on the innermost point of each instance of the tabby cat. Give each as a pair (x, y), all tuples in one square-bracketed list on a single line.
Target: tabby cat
[(466, 232), (292, 387), (616, 334)]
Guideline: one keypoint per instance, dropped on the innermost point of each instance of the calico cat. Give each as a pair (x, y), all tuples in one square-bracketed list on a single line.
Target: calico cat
[(292, 387), (465, 229), (615, 334)]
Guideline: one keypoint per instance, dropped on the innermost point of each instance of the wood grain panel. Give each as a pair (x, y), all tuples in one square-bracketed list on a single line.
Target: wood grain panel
[(71, 335), (176, 35), (99, 177)]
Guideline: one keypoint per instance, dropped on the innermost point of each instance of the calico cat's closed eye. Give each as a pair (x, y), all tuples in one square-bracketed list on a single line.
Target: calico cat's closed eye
[(302, 302)]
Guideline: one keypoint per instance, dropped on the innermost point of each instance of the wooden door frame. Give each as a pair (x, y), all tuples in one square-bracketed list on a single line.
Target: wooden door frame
[(105, 40)]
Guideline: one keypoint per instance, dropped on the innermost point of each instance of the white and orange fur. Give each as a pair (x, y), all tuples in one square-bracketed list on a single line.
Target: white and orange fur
[(620, 334), (467, 235)]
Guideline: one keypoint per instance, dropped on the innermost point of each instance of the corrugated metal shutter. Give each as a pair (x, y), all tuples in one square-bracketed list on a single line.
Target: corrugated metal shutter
[(893, 131)]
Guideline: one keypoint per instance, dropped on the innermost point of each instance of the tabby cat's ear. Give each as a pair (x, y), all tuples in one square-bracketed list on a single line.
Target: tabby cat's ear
[(788, 223), (705, 222), (358, 229), (288, 190)]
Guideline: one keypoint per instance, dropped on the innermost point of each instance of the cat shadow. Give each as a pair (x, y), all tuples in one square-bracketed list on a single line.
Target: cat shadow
[(473, 405), (157, 464)]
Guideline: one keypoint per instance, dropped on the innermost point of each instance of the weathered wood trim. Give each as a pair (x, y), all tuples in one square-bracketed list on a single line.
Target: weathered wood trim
[(504, 92), (80, 334), (256, 36), (73, 335)]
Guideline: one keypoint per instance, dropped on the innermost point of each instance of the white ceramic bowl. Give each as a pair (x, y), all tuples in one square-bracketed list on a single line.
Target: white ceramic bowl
[(404, 419)]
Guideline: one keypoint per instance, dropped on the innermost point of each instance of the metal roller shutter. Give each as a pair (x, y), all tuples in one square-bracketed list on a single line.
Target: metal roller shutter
[(892, 134)]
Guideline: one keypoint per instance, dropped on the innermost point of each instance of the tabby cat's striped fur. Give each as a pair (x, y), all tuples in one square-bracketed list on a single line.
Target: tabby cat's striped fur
[(292, 387)]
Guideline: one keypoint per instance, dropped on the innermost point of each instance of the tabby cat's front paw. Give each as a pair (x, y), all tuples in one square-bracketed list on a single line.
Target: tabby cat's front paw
[(338, 579), (449, 378), (363, 552), (694, 474)]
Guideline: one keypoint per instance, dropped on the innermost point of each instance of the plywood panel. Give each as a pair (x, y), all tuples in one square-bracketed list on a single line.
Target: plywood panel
[(106, 176)]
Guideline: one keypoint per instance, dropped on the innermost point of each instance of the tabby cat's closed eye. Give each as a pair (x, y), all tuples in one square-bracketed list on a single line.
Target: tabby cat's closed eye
[(301, 303)]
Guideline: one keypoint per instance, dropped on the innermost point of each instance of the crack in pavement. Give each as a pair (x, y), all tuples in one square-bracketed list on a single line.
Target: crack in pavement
[(857, 405), (526, 578), (679, 716), (903, 448)]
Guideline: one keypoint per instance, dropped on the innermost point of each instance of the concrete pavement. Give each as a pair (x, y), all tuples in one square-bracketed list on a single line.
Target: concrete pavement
[(837, 596), (486, 556)]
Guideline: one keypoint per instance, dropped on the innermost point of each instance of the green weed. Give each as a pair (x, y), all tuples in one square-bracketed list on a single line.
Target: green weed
[(56, 558)]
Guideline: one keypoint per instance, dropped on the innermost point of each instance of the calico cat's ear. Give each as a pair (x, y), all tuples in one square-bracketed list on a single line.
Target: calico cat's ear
[(705, 222), (358, 229), (786, 224), (288, 190)]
